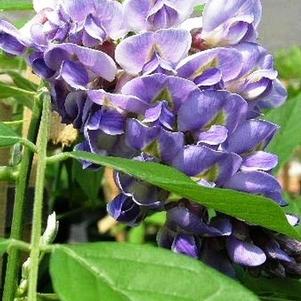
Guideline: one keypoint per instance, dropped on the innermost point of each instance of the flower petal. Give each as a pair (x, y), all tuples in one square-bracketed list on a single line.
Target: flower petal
[(259, 133), (257, 182), (186, 244), (245, 253), (259, 161)]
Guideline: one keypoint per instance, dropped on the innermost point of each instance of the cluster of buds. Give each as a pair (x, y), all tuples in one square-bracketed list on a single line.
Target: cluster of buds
[(149, 81)]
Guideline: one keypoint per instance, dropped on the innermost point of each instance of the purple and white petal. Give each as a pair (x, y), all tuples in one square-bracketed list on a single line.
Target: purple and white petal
[(172, 44), (119, 101), (134, 52), (96, 61), (259, 161), (276, 96), (245, 253), (159, 87), (124, 210), (227, 60), (10, 39)]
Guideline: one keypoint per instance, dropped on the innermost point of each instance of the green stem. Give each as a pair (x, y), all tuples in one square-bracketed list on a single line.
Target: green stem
[(8, 174), (14, 255), (38, 200)]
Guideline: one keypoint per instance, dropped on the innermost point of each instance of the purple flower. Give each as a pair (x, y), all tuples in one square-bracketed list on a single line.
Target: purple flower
[(78, 66), (85, 22), (151, 51), (257, 182), (230, 22), (212, 116), (211, 67), (153, 15), (11, 40), (204, 163), (257, 79)]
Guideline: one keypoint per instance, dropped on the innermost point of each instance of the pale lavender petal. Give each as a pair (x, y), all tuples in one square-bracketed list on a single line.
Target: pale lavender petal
[(136, 12), (111, 16), (231, 22), (259, 161), (216, 135), (173, 44), (96, 61), (245, 253), (78, 10), (275, 98), (134, 52), (94, 30)]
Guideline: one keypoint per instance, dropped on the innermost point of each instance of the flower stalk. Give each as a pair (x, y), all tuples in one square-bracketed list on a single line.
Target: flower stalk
[(14, 255), (38, 201)]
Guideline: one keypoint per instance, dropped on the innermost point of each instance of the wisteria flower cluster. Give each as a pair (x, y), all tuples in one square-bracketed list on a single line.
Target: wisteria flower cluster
[(149, 81)]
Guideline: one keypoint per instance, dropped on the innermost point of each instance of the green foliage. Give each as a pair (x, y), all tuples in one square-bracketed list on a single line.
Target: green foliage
[(20, 81), (289, 136), (89, 181), (274, 289), (12, 5), (11, 62), (253, 209), (136, 234), (288, 63), (124, 272), (24, 97), (8, 137), (4, 243)]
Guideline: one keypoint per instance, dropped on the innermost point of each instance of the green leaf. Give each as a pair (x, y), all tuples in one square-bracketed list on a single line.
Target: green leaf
[(11, 5), (89, 181), (136, 234), (4, 244), (157, 219), (274, 289), (20, 81), (23, 96), (289, 136), (8, 136), (127, 272), (288, 63), (253, 209), (11, 62)]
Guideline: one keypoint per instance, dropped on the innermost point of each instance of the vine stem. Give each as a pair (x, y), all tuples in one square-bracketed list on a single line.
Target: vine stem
[(14, 255), (38, 199)]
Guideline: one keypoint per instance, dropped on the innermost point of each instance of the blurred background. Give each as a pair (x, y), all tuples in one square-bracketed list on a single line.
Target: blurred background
[(77, 196)]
